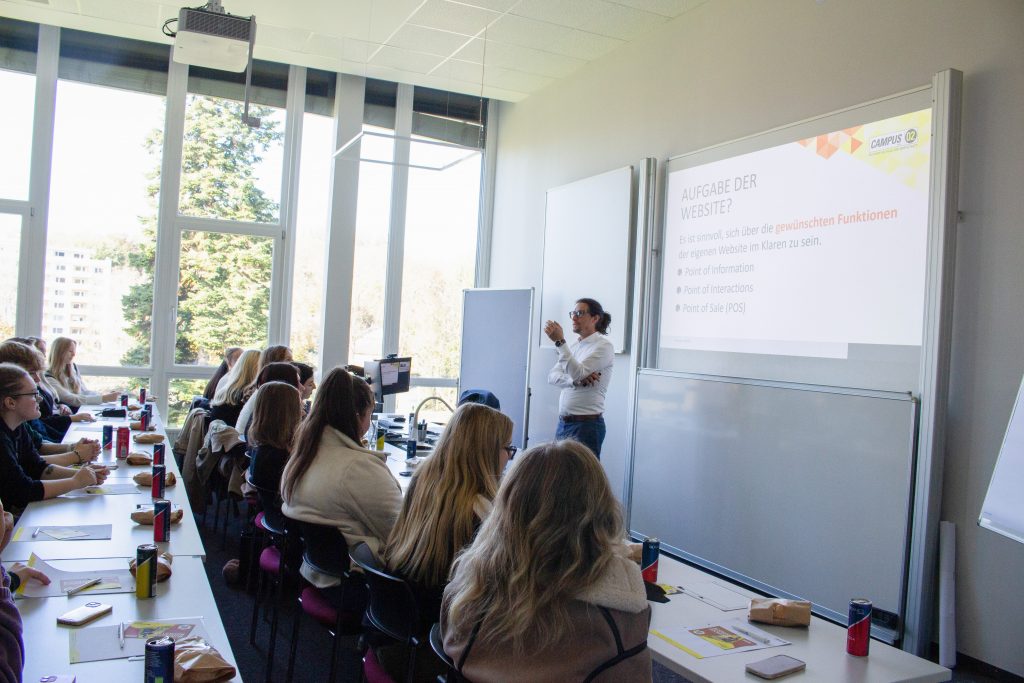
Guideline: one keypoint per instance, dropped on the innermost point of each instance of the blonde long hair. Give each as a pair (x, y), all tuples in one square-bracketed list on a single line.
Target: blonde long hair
[(438, 518), (64, 373), (240, 376), (550, 536)]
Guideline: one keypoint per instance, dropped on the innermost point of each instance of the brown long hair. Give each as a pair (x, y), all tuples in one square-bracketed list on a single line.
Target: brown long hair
[(276, 415), (437, 518), (551, 535), (342, 398), (28, 357)]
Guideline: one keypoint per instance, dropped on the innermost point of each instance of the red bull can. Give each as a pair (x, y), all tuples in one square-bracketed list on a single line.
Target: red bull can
[(159, 665), (159, 480), (161, 521), (649, 559), (144, 420), (158, 454), (124, 435), (124, 400), (410, 448), (145, 571), (858, 635), (108, 437), (142, 395)]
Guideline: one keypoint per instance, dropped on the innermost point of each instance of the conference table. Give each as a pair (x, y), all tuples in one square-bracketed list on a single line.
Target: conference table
[(822, 645), (186, 595)]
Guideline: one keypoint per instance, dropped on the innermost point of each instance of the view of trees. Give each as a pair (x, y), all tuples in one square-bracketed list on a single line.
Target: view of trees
[(223, 289)]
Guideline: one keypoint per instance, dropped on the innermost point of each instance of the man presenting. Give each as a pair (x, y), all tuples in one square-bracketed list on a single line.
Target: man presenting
[(583, 371)]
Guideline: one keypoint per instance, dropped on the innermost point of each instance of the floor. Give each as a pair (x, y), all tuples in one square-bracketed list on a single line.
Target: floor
[(314, 644)]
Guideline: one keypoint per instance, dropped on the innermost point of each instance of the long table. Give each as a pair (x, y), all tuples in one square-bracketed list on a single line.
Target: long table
[(822, 645), (186, 594)]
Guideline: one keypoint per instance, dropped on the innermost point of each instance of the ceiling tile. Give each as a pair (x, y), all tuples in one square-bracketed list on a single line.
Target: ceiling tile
[(336, 47), (596, 16), (452, 16), (124, 11), (387, 16), (516, 80), (522, 58), (666, 8), (283, 38), (406, 60), (587, 46), (540, 35), (429, 40)]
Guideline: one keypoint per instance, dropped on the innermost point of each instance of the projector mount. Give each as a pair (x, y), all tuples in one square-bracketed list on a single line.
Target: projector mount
[(209, 37)]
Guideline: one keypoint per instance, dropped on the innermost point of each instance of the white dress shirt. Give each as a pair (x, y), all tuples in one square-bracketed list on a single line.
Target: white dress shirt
[(593, 354)]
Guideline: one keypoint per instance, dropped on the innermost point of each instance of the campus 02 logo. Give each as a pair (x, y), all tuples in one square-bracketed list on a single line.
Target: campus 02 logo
[(893, 141)]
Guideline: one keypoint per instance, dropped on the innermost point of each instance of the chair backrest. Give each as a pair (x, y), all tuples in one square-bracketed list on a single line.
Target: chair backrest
[(325, 549), (393, 608), (437, 645)]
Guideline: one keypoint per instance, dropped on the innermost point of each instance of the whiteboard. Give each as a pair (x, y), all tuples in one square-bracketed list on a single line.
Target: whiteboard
[(1003, 511), (727, 474), (496, 350), (587, 251)]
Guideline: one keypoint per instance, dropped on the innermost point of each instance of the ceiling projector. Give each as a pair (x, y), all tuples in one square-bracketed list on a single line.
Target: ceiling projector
[(211, 38)]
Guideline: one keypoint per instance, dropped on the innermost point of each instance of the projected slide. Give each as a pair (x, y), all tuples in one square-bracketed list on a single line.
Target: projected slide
[(801, 249)]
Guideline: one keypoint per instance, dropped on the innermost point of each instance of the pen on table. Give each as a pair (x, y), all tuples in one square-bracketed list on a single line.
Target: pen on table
[(120, 634), (87, 584), (36, 532), (748, 634)]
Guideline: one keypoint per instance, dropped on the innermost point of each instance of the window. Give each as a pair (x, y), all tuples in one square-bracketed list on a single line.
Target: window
[(103, 210), (62, 267), (59, 304), (366, 337), (60, 279), (58, 292), (58, 330), (75, 306), (10, 254), (223, 294), (77, 281), (58, 253), (18, 84)]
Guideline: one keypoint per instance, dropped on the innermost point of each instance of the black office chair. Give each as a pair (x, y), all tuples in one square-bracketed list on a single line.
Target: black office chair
[(339, 608), (437, 645), (276, 563), (393, 609)]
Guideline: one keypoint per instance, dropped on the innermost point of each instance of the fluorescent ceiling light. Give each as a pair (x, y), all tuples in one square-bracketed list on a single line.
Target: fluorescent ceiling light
[(429, 155)]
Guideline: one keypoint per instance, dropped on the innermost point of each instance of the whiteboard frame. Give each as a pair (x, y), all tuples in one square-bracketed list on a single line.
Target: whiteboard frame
[(945, 94)]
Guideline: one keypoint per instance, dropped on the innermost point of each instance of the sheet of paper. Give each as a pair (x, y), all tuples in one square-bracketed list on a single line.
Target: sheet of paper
[(388, 374), (103, 490), (61, 581), (84, 532), (722, 638), (98, 643), (717, 595)]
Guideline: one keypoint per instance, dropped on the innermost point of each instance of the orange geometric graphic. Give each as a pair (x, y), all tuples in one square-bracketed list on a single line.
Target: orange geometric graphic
[(825, 146)]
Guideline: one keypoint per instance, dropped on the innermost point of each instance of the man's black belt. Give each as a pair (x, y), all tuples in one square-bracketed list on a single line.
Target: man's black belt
[(580, 418)]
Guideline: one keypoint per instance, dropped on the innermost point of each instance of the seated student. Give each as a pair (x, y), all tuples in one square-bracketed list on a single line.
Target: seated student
[(227, 402), (307, 383), (546, 589), (448, 498), (24, 476), (273, 372), (12, 647), (48, 393), (64, 378), (231, 355), (277, 413), (331, 479), (271, 354)]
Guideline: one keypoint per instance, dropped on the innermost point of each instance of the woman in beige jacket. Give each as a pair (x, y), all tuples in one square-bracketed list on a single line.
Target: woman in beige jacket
[(331, 479), (547, 591)]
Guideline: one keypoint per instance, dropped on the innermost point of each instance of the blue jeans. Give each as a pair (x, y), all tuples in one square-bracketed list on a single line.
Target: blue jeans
[(590, 434)]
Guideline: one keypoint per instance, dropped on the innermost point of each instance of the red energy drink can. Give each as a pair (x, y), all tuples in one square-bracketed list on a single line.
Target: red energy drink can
[(649, 560), (159, 480), (124, 400), (144, 420), (410, 448), (145, 571), (108, 437), (158, 454), (159, 665), (161, 521), (858, 635), (142, 395), (124, 435)]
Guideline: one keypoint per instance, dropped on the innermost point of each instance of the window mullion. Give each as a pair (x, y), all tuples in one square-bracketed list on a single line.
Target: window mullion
[(284, 248), (31, 279)]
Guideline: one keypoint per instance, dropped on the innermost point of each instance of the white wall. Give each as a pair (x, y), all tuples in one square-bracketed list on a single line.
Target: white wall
[(729, 68)]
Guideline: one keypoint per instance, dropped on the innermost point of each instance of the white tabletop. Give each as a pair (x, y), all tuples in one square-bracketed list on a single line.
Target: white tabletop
[(186, 594), (822, 645)]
